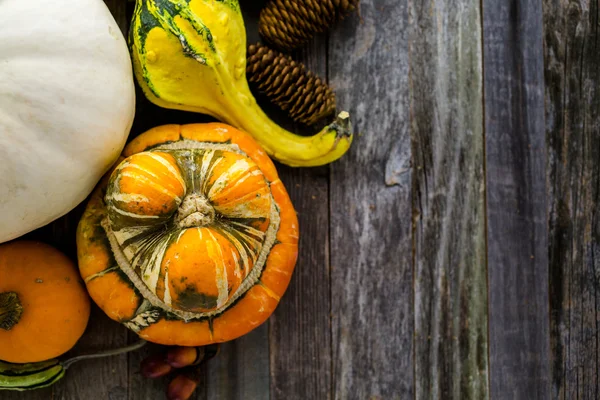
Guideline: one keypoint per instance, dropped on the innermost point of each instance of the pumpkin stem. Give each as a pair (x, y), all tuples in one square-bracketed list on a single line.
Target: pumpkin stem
[(195, 211), (10, 310), (108, 353)]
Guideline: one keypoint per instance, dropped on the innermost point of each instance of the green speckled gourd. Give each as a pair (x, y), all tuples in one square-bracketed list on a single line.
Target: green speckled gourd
[(191, 55)]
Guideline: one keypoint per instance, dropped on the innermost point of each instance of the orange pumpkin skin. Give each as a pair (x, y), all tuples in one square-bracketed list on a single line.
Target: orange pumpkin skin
[(55, 305), (192, 238)]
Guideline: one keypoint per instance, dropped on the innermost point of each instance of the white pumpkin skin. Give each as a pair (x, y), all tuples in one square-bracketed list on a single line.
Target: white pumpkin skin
[(67, 102)]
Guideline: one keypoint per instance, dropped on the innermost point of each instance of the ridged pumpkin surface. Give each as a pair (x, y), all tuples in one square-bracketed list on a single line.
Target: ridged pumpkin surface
[(192, 239)]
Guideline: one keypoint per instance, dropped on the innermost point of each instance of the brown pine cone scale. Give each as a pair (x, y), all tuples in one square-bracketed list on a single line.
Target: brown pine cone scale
[(289, 85), (289, 24)]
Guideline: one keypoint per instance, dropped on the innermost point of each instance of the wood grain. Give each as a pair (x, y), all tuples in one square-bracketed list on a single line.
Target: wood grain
[(241, 370), (371, 261), (139, 387), (516, 200), (40, 394), (446, 93), (573, 134), (300, 332), (110, 373)]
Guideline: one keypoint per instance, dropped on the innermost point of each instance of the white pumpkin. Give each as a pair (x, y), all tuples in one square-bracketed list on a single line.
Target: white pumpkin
[(67, 102)]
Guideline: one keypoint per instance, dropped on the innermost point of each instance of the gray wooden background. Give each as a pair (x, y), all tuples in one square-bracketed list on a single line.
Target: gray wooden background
[(454, 252)]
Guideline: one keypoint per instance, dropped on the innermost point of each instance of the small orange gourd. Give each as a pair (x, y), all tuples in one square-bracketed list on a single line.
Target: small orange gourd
[(192, 239), (44, 308)]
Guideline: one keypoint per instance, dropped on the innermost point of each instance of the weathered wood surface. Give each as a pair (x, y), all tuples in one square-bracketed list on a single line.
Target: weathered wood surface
[(572, 92), (516, 200), (371, 260), (453, 253), (449, 200)]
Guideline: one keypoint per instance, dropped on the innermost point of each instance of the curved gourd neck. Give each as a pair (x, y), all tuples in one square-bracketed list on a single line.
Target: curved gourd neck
[(11, 310), (294, 150)]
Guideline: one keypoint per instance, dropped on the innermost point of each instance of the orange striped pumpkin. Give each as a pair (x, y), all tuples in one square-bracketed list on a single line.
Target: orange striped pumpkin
[(192, 238)]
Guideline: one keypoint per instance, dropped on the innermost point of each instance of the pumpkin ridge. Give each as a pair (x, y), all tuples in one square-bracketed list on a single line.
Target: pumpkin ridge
[(249, 231), (152, 268), (215, 159), (240, 244), (176, 174), (221, 274), (215, 193), (142, 232)]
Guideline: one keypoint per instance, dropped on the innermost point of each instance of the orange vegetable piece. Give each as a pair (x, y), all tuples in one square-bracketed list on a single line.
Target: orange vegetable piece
[(44, 308), (192, 238)]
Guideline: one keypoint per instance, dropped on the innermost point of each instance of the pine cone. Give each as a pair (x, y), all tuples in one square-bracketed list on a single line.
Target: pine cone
[(289, 85), (289, 24)]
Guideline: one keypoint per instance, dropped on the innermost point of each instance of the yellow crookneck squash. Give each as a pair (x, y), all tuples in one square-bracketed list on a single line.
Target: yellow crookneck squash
[(191, 55), (192, 239)]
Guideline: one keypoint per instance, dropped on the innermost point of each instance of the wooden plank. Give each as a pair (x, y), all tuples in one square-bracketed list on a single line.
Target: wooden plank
[(108, 375), (371, 244), (446, 83), (300, 329), (40, 394), (241, 371), (516, 200), (573, 132), (139, 387)]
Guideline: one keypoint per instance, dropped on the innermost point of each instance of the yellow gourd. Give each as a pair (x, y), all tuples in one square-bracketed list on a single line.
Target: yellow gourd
[(191, 55)]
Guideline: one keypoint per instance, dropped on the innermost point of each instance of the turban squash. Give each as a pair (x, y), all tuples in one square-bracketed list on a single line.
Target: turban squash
[(192, 239)]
